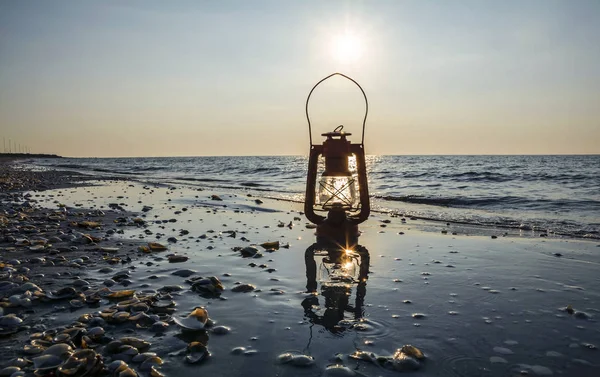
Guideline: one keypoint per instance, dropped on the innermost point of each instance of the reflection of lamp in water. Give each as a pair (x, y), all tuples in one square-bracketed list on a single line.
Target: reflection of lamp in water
[(337, 188), (336, 287)]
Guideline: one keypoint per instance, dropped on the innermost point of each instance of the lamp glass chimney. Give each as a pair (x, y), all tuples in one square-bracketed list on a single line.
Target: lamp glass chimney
[(337, 193)]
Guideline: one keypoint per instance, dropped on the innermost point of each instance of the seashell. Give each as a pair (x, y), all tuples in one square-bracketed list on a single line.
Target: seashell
[(29, 286), (163, 304), (270, 245), (139, 307), (155, 373), (136, 342), (59, 350), (128, 372), (45, 341), (159, 326), (363, 355), (37, 335), (92, 299), (401, 362), (155, 246), (87, 224), (211, 286), (195, 321), (8, 371), (338, 370), (197, 352), (142, 320), (18, 362), (238, 350), (120, 317), (72, 366), (87, 342), (109, 249), (10, 320), (85, 318), (141, 357), (113, 346), (117, 366), (20, 300), (30, 349), (150, 362), (61, 338), (74, 331), (412, 351), (46, 362), (296, 359), (128, 350), (121, 294), (124, 305)]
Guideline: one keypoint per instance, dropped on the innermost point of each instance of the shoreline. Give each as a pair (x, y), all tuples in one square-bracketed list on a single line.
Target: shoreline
[(568, 222), (438, 292)]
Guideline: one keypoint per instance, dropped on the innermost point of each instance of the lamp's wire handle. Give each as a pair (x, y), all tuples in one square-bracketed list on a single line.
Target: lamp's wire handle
[(366, 106)]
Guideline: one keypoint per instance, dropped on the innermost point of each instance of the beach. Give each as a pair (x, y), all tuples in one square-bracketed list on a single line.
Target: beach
[(472, 303)]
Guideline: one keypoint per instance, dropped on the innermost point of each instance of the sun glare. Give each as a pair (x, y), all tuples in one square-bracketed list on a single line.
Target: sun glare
[(346, 48)]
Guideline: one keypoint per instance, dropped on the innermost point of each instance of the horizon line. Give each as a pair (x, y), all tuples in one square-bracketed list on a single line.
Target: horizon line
[(302, 155)]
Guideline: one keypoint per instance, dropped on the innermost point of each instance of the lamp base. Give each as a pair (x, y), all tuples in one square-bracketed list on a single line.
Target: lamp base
[(337, 236)]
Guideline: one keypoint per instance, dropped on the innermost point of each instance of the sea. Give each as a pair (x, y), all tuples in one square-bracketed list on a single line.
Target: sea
[(556, 195)]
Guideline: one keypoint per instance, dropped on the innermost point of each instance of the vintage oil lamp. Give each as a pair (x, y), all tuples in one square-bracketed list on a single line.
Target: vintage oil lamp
[(339, 200)]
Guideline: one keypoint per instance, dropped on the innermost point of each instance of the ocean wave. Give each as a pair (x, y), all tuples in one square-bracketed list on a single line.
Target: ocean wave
[(250, 184), (202, 179), (473, 176), (501, 201), (69, 166), (112, 171), (151, 168)]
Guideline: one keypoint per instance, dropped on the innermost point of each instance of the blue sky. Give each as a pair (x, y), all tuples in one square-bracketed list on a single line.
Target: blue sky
[(158, 78)]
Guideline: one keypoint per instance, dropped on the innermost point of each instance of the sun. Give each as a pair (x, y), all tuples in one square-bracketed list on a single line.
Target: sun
[(346, 48)]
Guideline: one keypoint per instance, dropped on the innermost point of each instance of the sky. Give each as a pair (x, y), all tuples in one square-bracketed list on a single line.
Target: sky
[(197, 78)]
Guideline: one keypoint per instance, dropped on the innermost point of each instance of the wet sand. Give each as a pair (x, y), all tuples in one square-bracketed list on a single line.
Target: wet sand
[(472, 304)]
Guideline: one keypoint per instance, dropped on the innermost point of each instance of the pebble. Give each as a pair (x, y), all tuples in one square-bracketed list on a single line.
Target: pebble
[(338, 370), (503, 351), (243, 288), (297, 360), (221, 330), (238, 350), (184, 273)]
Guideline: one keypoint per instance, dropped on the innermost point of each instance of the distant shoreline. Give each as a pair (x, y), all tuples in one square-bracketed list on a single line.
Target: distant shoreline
[(18, 156)]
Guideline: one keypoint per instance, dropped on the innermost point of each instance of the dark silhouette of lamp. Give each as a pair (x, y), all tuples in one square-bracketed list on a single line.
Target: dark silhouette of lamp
[(339, 201)]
